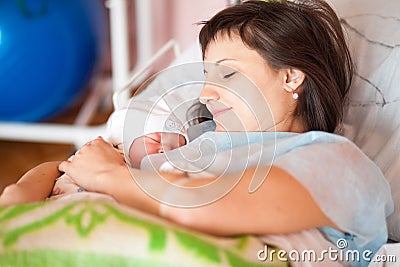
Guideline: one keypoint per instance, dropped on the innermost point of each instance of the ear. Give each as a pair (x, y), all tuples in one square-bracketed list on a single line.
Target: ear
[(293, 78)]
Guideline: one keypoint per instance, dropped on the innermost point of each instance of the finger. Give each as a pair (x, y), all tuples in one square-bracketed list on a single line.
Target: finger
[(97, 140), (86, 145), (94, 142), (101, 140), (63, 166)]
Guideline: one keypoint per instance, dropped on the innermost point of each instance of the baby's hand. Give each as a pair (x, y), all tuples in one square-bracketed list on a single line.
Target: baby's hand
[(56, 191), (65, 185)]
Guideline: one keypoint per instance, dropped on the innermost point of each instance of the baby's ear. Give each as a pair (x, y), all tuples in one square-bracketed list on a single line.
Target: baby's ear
[(293, 79)]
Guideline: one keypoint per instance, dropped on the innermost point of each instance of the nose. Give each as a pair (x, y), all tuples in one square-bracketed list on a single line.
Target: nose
[(164, 148), (208, 93)]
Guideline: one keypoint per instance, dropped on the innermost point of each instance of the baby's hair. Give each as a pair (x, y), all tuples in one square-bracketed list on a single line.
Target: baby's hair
[(306, 35)]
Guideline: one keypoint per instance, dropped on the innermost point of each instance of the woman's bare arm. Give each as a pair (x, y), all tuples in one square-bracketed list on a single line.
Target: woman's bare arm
[(35, 185), (280, 205)]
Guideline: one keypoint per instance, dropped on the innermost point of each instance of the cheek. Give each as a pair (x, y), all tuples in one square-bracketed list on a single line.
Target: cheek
[(251, 102), (264, 104), (277, 101), (139, 150), (136, 153), (230, 97), (152, 149)]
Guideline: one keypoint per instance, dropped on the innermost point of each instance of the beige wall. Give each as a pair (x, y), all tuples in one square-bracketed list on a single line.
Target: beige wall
[(171, 19), (177, 19), (183, 16)]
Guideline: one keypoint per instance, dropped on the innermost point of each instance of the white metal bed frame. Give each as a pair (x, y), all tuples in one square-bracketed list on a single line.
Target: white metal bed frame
[(122, 79)]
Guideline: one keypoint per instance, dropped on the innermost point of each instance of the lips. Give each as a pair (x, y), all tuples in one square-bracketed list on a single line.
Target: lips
[(220, 111)]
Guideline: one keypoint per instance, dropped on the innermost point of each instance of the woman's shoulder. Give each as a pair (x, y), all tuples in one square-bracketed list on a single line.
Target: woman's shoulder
[(312, 140), (311, 137), (347, 185), (332, 152)]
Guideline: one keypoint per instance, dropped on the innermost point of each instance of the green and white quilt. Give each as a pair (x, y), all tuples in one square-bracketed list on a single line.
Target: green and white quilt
[(89, 229)]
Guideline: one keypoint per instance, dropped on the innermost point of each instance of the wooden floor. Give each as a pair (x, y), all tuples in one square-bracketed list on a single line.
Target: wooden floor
[(19, 157)]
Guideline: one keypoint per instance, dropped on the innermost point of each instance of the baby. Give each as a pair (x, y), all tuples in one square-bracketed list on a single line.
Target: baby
[(137, 131), (162, 131)]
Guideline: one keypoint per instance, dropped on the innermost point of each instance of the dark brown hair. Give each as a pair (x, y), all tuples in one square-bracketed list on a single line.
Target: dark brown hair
[(306, 35)]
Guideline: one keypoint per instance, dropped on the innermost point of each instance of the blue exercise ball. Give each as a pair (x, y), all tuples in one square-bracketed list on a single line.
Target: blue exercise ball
[(49, 49)]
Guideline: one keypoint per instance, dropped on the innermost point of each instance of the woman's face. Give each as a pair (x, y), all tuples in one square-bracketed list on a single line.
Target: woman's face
[(242, 91)]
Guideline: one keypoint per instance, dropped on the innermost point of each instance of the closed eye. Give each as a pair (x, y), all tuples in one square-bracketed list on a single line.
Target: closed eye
[(227, 76), (155, 140)]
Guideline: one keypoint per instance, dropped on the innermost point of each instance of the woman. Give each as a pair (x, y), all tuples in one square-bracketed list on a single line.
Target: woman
[(296, 57)]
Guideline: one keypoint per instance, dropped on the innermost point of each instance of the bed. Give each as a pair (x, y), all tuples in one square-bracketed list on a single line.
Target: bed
[(89, 229)]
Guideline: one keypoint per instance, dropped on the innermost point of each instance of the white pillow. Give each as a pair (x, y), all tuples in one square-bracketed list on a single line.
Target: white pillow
[(372, 118)]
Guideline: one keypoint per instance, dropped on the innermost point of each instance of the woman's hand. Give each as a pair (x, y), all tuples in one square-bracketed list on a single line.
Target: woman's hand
[(93, 164)]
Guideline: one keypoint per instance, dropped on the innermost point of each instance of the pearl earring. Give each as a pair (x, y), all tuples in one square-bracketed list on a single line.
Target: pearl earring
[(295, 95)]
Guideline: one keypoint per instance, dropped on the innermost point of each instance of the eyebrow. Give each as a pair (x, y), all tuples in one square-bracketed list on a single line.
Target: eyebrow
[(225, 59), (221, 60)]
